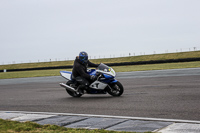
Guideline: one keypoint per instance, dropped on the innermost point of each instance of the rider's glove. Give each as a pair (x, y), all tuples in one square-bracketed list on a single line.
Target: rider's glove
[(93, 77)]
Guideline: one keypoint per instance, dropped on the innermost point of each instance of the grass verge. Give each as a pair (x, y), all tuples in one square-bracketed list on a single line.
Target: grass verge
[(55, 72), (7, 126), (181, 55)]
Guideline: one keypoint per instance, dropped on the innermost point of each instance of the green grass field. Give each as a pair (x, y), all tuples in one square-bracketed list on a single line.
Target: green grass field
[(180, 55), (55, 72)]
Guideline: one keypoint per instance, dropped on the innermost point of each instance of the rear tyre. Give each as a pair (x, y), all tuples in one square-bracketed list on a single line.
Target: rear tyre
[(116, 89), (73, 94)]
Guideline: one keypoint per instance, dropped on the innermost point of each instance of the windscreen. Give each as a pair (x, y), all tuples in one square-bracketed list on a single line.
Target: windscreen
[(103, 67)]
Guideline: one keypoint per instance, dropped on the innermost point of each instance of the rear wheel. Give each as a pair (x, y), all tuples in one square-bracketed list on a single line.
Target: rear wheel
[(116, 89), (73, 94)]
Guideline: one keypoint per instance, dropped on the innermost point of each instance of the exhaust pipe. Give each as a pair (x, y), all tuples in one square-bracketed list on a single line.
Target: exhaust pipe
[(69, 88)]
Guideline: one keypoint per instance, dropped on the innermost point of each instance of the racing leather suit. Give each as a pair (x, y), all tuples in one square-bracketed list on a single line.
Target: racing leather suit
[(79, 71)]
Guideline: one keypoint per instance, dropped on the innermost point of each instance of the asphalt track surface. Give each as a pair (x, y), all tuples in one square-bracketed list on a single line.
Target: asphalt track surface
[(169, 94)]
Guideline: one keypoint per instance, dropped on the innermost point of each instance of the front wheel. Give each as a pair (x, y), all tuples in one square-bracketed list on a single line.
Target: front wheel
[(115, 89)]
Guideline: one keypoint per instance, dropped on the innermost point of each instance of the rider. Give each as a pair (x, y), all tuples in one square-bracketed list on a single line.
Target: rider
[(79, 71)]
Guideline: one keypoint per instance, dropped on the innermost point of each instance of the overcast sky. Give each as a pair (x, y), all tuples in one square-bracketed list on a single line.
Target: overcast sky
[(32, 30)]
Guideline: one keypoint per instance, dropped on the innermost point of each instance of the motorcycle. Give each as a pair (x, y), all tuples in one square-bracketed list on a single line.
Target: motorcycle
[(104, 83)]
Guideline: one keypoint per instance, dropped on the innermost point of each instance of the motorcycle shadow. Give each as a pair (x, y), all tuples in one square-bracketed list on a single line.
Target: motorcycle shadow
[(90, 98)]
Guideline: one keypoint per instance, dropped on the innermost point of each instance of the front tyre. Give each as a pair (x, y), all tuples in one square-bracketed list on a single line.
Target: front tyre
[(116, 89)]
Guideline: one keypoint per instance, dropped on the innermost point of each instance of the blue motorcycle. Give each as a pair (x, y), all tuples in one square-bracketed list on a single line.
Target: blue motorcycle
[(105, 82)]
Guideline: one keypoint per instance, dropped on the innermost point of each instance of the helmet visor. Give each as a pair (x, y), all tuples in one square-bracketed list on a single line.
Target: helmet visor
[(83, 58)]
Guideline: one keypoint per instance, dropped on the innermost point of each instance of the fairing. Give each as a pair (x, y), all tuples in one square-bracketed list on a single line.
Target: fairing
[(66, 74)]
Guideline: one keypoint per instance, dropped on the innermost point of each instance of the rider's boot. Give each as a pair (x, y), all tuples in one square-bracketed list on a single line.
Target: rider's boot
[(80, 89)]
